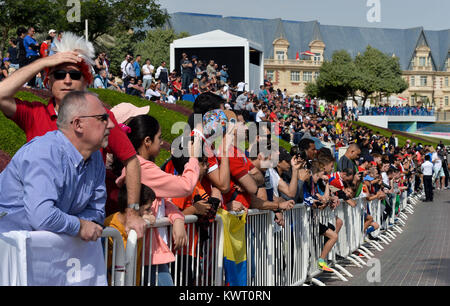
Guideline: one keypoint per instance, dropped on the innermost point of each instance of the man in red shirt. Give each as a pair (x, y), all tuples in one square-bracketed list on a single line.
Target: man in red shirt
[(68, 71), (45, 47)]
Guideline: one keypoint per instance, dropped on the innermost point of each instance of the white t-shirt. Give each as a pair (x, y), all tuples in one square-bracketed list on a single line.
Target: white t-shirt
[(152, 93), (437, 162), (274, 178), (385, 178), (259, 115), (147, 69), (240, 86), (427, 168), (122, 66)]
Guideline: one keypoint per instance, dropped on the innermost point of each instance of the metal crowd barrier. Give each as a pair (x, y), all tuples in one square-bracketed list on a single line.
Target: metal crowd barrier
[(200, 263), (115, 259), (276, 256)]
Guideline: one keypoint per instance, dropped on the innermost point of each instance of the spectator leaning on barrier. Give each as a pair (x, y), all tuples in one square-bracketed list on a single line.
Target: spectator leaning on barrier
[(56, 182), (68, 70), (145, 135), (349, 158), (117, 221)]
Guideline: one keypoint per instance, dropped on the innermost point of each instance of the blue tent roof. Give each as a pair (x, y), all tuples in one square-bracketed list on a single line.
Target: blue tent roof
[(401, 42)]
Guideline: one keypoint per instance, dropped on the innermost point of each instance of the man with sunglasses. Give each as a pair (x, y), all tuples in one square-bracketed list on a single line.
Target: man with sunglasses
[(69, 71), (56, 182)]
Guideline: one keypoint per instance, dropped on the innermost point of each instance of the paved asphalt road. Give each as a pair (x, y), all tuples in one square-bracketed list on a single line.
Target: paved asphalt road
[(420, 256)]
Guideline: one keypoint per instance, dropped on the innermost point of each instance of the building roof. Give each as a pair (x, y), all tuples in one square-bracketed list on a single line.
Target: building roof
[(401, 42), (215, 38)]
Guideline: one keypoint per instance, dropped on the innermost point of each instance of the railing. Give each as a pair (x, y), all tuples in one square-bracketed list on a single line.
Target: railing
[(443, 116), (200, 263), (276, 256), (280, 256), (292, 62), (394, 111)]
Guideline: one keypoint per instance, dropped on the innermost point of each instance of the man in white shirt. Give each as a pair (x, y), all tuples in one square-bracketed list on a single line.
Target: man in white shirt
[(260, 115), (240, 88), (147, 71), (128, 71), (427, 171)]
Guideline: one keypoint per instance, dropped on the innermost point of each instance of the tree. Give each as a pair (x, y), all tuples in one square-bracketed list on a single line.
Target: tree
[(106, 16), (13, 13), (378, 73), (370, 73), (312, 90), (156, 45), (335, 81)]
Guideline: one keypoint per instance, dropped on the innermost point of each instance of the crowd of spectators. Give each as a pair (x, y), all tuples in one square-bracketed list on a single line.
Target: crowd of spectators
[(403, 110), (210, 175)]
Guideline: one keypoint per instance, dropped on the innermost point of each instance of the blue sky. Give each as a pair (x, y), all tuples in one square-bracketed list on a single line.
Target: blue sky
[(430, 14)]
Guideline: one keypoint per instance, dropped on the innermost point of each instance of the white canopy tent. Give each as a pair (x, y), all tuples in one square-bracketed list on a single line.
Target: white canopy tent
[(253, 70)]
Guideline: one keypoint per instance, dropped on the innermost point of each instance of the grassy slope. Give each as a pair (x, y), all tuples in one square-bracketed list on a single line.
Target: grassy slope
[(402, 136)]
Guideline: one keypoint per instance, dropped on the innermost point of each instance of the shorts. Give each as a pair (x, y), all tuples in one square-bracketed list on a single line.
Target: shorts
[(324, 228), (438, 172)]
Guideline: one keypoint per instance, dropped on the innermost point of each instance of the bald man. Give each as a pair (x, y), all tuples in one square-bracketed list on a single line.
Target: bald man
[(56, 182), (348, 160)]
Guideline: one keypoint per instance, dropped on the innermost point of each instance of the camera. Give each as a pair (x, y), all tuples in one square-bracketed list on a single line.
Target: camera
[(295, 151)]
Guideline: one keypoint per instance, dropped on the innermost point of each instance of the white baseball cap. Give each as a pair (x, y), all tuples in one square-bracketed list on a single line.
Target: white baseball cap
[(51, 31)]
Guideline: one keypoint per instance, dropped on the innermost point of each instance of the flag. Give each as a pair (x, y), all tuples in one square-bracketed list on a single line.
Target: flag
[(297, 56), (234, 248), (308, 53)]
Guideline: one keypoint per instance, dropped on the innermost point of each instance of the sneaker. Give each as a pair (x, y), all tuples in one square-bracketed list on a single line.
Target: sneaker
[(374, 238), (324, 267)]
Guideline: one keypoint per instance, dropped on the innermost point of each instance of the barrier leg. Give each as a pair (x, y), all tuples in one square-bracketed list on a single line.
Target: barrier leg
[(398, 229), (382, 238), (352, 260), (317, 282), (391, 234), (358, 259), (409, 210), (401, 222), (366, 255), (366, 250), (340, 276), (343, 270), (376, 245)]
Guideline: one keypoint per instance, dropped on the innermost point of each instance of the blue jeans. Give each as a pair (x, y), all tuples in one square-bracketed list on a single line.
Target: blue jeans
[(164, 277)]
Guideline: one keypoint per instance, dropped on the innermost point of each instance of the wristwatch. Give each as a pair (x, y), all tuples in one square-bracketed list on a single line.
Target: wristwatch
[(134, 206)]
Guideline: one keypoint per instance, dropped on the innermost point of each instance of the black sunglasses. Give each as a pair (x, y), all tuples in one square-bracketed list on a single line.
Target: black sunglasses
[(102, 117), (61, 74)]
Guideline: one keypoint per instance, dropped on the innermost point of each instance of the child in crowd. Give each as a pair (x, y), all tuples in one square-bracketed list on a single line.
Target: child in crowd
[(117, 221), (145, 135), (317, 194), (201, 204)]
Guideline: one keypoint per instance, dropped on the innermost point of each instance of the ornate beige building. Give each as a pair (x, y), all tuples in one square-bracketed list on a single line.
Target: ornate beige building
[(426, 84), (423, 54)]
